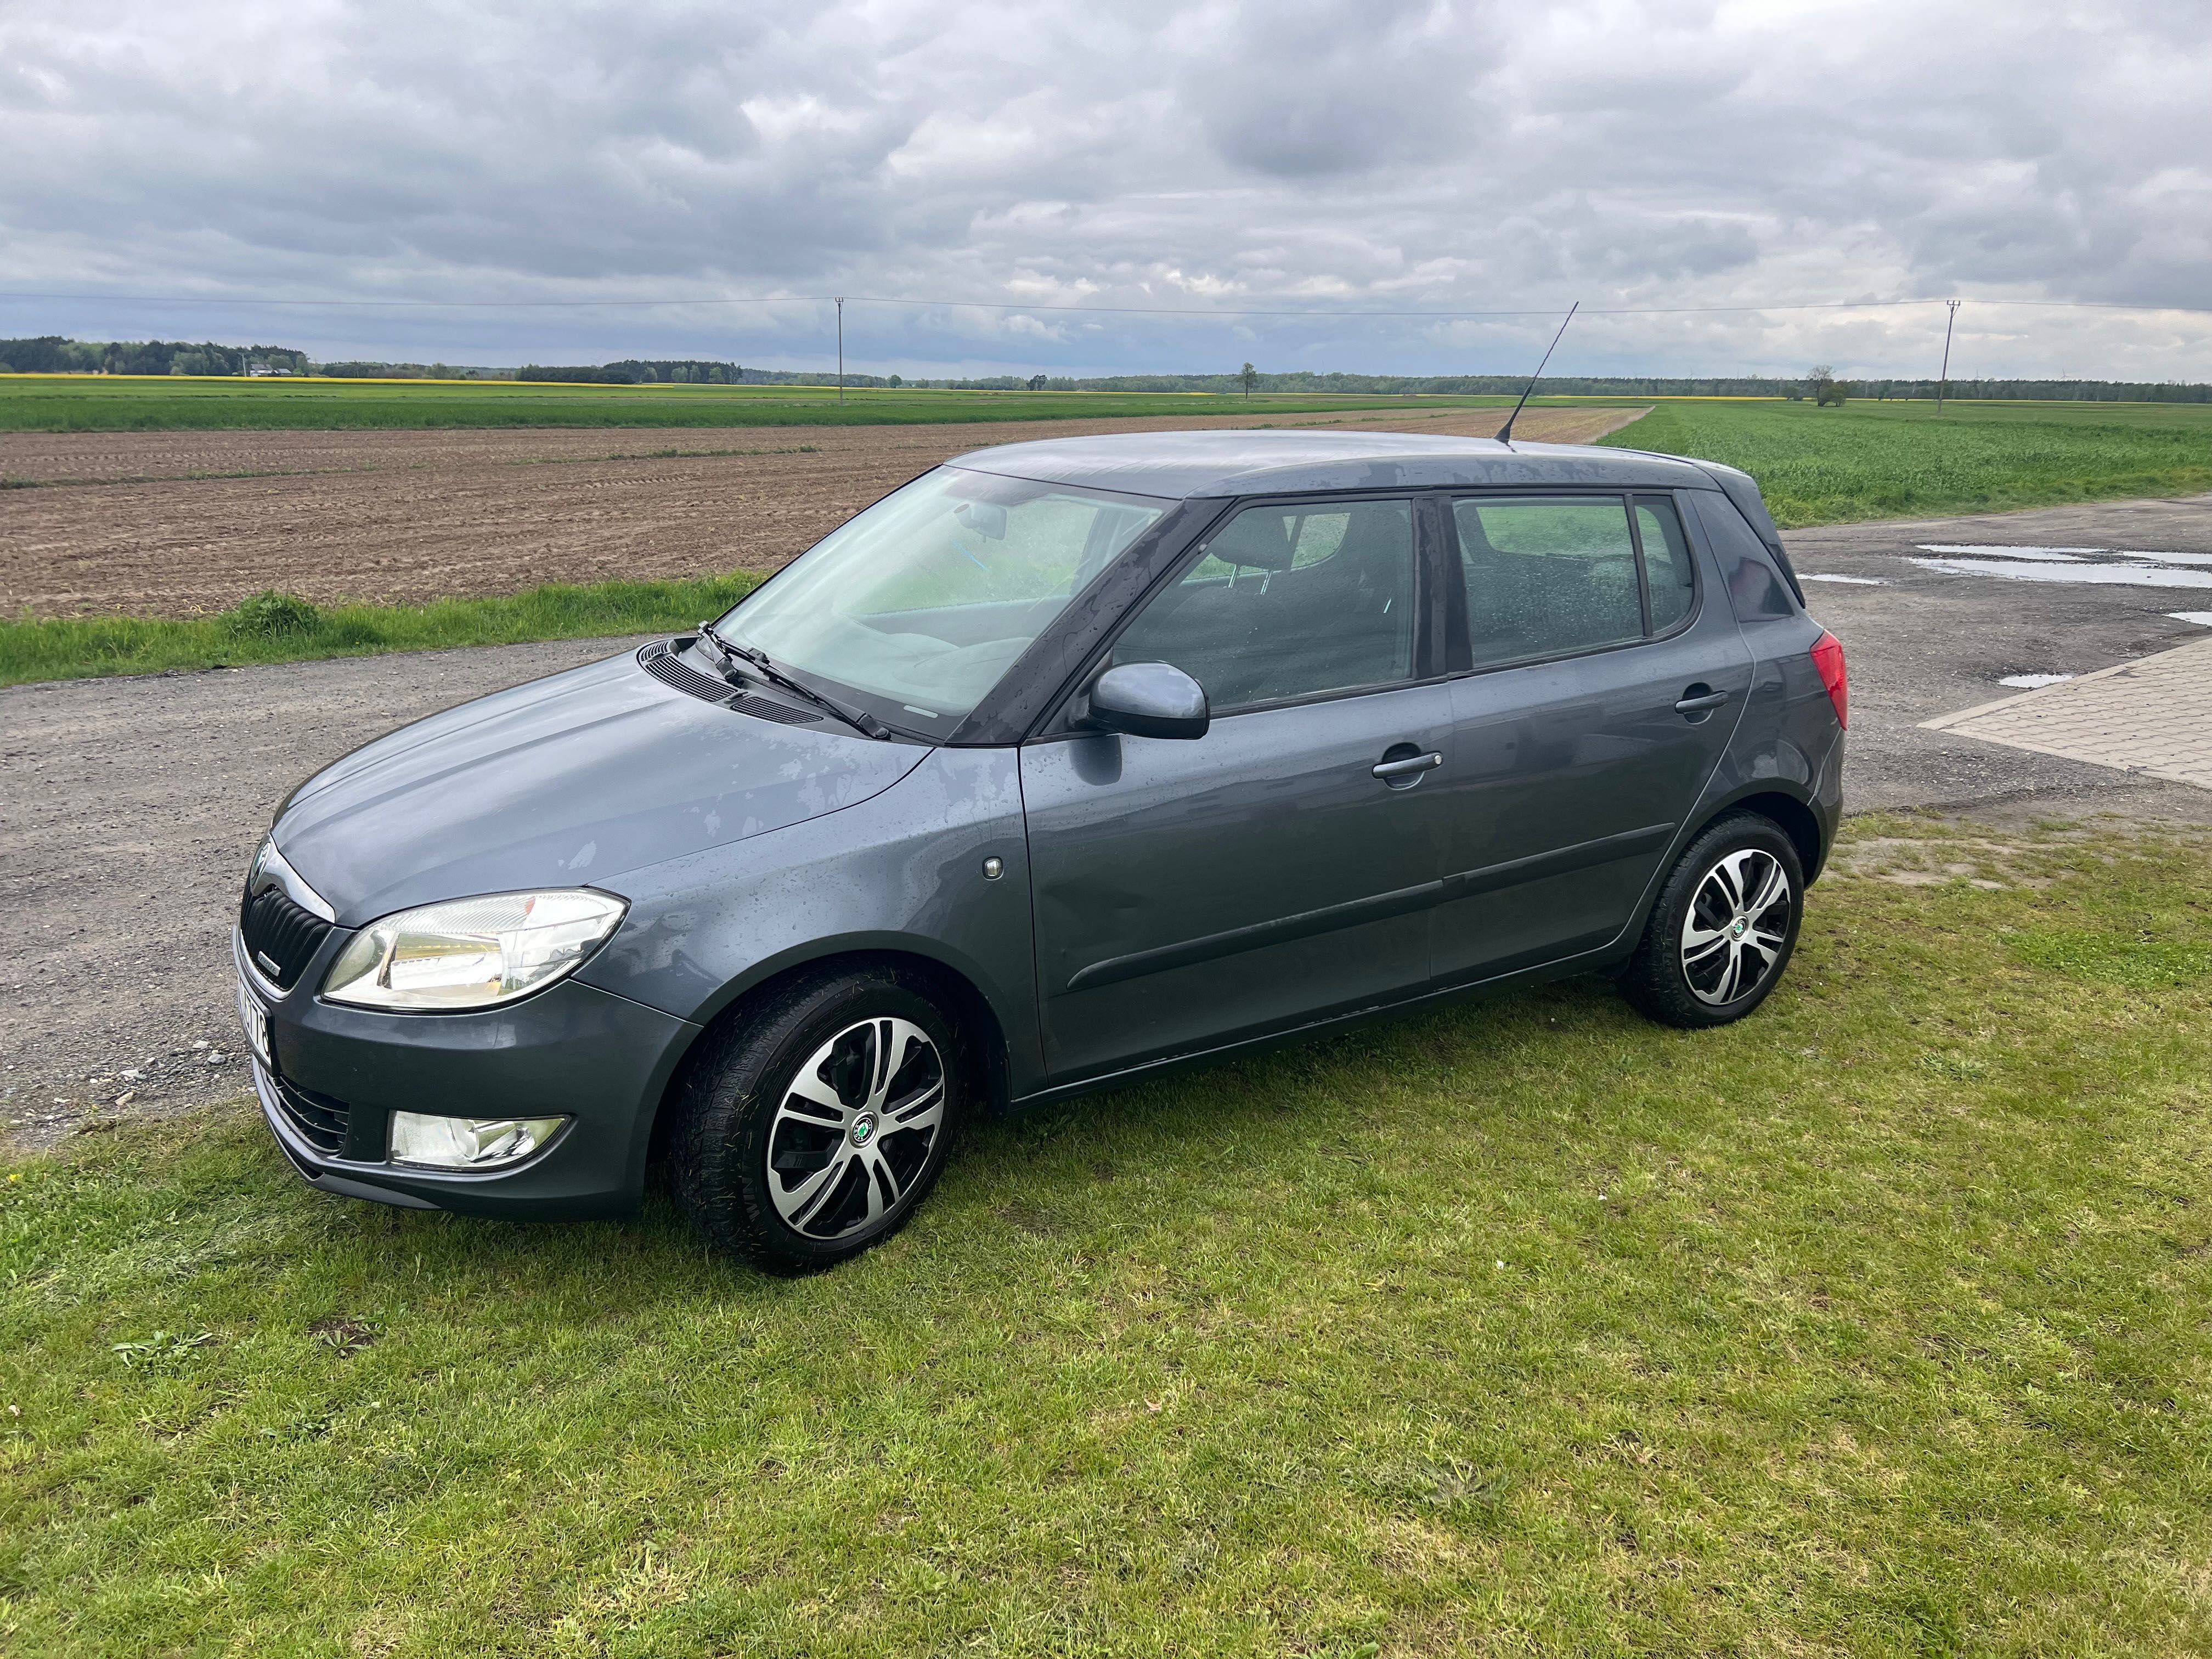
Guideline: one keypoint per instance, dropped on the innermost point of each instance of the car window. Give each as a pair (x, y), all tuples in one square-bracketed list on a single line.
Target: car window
[(1288, 602), (920, 603), (1668, 571), (1755, 588), (1547, 575)]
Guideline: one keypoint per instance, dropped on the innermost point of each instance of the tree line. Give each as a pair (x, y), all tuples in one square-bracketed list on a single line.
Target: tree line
[(52, 354)]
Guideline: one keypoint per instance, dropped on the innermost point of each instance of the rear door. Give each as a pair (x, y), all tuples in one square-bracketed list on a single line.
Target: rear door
[(1190, 892), (1602, 675)]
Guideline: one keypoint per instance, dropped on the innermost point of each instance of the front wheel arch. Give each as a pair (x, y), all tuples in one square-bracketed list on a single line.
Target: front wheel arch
[(985, 1065)]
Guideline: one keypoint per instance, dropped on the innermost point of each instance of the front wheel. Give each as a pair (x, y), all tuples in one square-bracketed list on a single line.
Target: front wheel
[(813, 1126), (1724, 928)]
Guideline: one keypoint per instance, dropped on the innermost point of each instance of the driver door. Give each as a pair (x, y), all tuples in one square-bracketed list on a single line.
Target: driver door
[(1190, 892)]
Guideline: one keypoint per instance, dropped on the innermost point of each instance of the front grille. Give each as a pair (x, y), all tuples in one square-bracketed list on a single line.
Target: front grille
[(321, 1120), (278, 932), (660, 660)]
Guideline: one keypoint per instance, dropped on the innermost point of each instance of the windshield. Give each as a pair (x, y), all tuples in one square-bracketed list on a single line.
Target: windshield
[(922, 602)]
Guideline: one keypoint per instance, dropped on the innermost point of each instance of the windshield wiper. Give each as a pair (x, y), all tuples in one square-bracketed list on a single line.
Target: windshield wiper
[(759, 661)]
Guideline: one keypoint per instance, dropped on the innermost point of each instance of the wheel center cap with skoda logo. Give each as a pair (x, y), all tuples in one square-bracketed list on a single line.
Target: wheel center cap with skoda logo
[(1736, 930), (864, 1129)]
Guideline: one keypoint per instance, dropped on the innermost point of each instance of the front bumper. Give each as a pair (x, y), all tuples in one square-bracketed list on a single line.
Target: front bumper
[(335, 1075)]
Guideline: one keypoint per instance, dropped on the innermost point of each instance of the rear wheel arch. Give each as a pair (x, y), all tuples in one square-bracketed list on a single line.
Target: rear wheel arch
[(1791, 816)]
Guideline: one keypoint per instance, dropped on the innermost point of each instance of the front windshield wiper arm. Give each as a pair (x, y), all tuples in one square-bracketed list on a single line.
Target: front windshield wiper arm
[(759, 661)]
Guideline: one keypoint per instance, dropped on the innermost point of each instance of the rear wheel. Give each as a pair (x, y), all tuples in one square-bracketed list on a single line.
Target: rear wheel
[(1724, 928), (816, 1124)]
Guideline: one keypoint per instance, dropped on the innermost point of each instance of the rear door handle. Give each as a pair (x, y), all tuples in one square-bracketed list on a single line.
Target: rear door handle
[(1698, 705), (1408, 765)]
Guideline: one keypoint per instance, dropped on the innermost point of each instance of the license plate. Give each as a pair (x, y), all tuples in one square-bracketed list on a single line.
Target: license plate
[(256, 1022)]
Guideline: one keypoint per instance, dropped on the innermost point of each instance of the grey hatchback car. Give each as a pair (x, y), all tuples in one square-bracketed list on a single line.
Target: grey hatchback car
[(1064, 761)]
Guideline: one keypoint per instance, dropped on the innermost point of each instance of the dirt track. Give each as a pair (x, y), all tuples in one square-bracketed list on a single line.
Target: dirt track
[(180, 523)]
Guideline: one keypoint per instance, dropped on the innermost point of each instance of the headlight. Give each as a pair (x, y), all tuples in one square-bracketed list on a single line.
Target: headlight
[(472, 953)]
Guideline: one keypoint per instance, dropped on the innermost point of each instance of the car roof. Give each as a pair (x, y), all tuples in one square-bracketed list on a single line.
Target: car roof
[(1177, 465)]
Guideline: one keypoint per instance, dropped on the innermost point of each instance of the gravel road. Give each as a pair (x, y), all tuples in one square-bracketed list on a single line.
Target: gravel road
[(130, 807)]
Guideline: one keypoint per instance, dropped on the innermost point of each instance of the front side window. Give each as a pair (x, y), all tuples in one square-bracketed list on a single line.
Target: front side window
[(1288, 602), (922, 602)]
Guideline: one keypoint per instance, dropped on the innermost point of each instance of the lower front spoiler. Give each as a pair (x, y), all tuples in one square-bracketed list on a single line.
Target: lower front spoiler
[(548, 1186), (313, 1168)]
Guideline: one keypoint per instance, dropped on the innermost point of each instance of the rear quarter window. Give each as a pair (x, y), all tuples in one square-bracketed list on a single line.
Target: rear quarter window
[(1755, 587)]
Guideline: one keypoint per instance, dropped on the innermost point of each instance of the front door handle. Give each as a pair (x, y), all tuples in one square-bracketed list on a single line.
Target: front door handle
[(1697, 701), (1408, 765)]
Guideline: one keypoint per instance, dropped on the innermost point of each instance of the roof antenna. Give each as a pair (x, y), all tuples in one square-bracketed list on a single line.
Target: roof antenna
[(1505, 432)]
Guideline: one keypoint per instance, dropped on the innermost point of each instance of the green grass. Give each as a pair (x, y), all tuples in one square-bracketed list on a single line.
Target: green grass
[(73, 648), (1872, 1325), (161, 403), (1882, 460)]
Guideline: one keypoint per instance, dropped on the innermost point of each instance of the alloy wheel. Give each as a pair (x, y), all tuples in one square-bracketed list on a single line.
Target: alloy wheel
[(855, 1128), (1737, 926)]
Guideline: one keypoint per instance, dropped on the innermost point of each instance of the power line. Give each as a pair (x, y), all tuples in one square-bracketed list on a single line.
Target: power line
[(1024, 305)]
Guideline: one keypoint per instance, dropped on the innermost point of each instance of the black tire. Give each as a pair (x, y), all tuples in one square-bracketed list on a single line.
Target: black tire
[(1680, 982), (752, 1131)]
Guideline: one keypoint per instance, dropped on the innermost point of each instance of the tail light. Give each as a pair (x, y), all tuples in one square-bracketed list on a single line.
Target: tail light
[(1828, 663)]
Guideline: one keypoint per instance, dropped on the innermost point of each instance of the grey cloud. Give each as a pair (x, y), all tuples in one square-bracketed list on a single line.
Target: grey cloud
[(1366, 154)]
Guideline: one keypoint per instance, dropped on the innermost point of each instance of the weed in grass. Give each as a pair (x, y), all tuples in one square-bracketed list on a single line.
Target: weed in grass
[(160, 1352)]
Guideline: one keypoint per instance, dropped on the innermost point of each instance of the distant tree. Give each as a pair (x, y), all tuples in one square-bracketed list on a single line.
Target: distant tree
[(1248, 377), (895, 381), (1036, 382), (1819, 381)]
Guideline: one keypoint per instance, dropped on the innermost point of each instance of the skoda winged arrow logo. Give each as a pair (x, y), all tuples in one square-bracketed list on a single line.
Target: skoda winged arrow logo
[(864, 1130)]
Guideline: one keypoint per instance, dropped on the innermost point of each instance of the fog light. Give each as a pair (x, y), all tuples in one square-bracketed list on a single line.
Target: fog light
[(467, 1143)]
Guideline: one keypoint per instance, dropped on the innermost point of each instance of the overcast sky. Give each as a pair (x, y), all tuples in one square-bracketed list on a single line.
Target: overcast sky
[(1330, 156)]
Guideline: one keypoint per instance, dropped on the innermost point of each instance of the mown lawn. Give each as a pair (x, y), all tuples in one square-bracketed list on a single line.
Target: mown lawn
[(1899, 460), (1875, 1324)]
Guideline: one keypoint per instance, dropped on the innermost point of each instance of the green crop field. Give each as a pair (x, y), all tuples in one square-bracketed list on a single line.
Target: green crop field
[(1872, 1325), (31, 402), (1884, 461)]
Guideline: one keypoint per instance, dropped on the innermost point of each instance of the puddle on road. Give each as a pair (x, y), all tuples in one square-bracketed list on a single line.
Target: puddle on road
[(1855, 581), (2064, 564), (1999, 550), (2202, 618), (2033, 682)]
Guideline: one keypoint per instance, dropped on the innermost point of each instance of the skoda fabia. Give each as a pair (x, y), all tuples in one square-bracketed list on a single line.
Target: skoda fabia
[(1065, 761)]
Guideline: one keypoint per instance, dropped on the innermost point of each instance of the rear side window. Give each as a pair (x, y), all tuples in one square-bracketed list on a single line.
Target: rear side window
[(1547, 575), (1668, 571), (1288, 603)]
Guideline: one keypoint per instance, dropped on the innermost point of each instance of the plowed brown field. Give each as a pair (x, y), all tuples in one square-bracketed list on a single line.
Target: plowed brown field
[(181, 523)]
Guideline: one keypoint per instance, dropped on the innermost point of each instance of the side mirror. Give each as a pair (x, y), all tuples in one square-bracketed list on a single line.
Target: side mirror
[(1148, 700)]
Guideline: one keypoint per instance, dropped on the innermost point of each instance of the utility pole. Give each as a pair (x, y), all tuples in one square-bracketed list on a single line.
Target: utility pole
[(841, 351), (1945, 381)]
